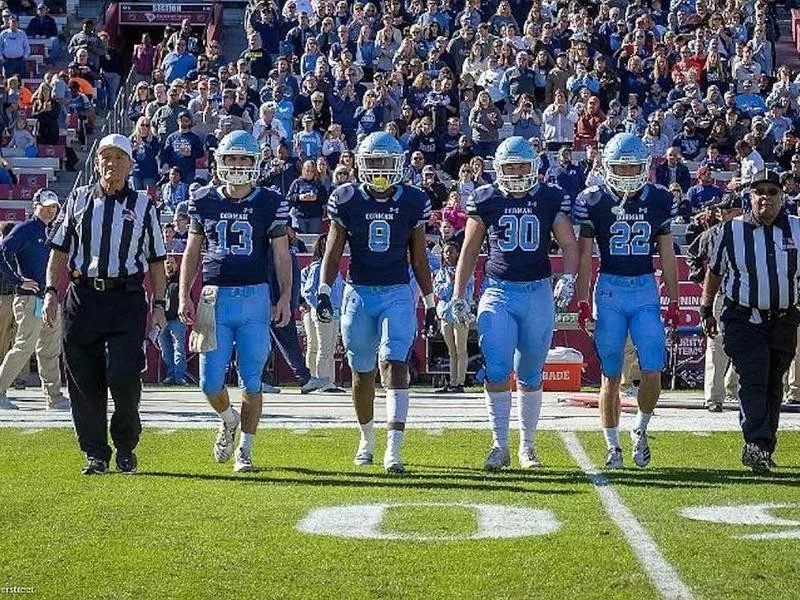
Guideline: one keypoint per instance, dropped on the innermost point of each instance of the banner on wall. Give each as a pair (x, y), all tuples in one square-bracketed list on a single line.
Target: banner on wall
[(160, 14)]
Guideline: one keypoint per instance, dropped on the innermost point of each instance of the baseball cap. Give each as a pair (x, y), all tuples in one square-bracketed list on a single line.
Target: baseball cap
[(187, 114), (115, 140), (428, 169), (46, 198), (703, 171), (765, 176)]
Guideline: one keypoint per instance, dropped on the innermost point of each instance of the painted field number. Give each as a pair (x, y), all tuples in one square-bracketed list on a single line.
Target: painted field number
[(494, 521), (749, 514)]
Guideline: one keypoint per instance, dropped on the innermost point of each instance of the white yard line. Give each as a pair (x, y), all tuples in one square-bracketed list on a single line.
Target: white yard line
[(662, 574)]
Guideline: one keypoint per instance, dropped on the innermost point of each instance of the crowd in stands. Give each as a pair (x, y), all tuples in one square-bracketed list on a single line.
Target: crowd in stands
[(699, 80)]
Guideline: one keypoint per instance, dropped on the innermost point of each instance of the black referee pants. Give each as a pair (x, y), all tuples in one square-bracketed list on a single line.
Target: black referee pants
[(761, 354), (103, 339)]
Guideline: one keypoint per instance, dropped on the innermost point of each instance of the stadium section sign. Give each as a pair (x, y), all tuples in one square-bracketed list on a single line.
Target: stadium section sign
[(165, 14)]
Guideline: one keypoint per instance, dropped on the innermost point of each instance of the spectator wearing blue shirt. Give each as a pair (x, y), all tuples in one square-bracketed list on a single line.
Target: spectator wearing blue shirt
[(690, 143), (174, 191), (146, 148), (455, 336), (320, 337), (183, 148), (569, 176), (750, 101), (43, 26), (368, 117), (308, 141), (701, 194), (177, 64), (23, 261), (307, 198), (14, 48)]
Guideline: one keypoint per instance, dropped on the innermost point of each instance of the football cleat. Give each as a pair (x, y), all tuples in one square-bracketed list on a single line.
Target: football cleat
[(614, 458), (755, 458), (223, 445), (641, 449), (243, 462), (363, 459), (393, 464), (528, 459), (497, 459)]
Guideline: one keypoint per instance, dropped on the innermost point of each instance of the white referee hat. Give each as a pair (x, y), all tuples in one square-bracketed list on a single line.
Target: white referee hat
[(116, 140)]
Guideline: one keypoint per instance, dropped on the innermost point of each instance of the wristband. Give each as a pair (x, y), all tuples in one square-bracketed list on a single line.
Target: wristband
[(51, 289), (160, 303), (706, 311), (428, 301), (324, 288)]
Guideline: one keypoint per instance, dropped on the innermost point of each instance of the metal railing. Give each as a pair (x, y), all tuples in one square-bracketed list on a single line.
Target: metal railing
[(116, 122)]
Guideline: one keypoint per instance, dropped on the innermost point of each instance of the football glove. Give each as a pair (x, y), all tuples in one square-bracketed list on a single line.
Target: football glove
[(672, 318), (431, 323), (324, 308), (584, 316), (459, 313), (564, 290)]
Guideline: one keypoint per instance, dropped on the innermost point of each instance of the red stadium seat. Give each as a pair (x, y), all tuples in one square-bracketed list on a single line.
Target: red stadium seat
[(32, 181), (46, 151), (38, 48), (73, 121), (11, 214), (23, 192), (6, 192)]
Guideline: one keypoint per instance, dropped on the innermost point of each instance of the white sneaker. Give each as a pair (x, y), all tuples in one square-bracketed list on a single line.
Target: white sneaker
[(498, 458), (6, 404), (528, 459), (269, 389), (60, 403), (641, 449), (223, 445), (243, 462), (365, 454), (314, 383), (393, 464), (614, 458)]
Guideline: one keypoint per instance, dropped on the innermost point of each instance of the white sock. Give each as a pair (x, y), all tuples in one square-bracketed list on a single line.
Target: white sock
[(246, 442), (642, 419), (612, 436), (367, 436), (529, 405), (396, 406), (498, 404), (228, 415), (394, 439)]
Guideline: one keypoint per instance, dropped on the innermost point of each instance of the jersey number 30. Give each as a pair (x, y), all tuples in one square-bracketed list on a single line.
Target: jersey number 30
[(379, 234), (627, 238), (520, 232), (245, 231)]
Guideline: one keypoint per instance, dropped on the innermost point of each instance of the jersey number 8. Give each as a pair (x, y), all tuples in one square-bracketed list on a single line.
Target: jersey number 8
[(245, 231), (379, 234), (627, 239), (521, 232)]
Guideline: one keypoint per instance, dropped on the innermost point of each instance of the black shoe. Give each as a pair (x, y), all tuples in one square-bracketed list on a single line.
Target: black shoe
[(456, 389), (755, 458), (127, 462), (446, 389), (95, 466)]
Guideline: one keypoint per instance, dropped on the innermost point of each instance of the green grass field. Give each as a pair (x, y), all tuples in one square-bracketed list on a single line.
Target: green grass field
[(186, 527)]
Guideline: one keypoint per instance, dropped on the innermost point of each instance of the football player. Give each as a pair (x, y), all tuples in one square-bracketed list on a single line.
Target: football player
[(382, 220), (232, 228), (516, 313), (630, 220)]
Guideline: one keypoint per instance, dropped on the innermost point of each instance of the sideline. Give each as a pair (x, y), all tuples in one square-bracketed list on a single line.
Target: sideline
[(662, 574)]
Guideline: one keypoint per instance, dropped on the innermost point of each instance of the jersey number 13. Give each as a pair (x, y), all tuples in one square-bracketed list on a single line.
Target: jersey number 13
[(245, 234)]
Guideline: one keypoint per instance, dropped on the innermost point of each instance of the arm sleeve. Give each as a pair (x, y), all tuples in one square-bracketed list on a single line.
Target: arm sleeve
[(64, 233), (10, 245)]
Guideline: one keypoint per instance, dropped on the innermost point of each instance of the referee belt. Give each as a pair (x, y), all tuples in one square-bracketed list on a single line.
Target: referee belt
[(766, 315), (107, 284)]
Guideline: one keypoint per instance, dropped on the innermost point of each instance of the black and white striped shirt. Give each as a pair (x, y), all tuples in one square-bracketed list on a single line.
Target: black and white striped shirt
[(758, 264), (109, 236)]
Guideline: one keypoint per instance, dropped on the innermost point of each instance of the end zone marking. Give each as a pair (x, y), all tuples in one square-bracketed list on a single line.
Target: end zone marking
[(662, 574)]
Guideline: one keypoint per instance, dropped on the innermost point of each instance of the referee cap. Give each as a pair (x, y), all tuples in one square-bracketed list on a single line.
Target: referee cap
[(115, 140), (46, 198), (765, 176)]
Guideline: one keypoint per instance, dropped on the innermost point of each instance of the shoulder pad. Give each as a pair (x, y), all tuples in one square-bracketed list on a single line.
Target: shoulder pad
[(483, 193), (343, 193), (203, 191)]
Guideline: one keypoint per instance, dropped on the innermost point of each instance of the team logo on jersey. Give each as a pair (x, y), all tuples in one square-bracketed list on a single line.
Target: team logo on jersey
[(618, 210), (128, 214)]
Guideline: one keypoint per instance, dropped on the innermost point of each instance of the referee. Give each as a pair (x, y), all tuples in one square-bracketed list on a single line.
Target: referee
[(755, 260), (110, 237)]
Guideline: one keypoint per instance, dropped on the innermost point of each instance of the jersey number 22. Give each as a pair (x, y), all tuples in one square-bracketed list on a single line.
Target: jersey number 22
[(627, 238)]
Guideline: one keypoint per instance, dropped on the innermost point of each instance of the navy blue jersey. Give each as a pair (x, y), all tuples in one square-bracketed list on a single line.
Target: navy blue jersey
[(518, 229), (237, 234), (379, 231), (626, 233)]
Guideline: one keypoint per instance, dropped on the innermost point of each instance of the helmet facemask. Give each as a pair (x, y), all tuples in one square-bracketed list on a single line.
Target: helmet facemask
[(627, 184), (518, 183), (239, 174), (379, 172)]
